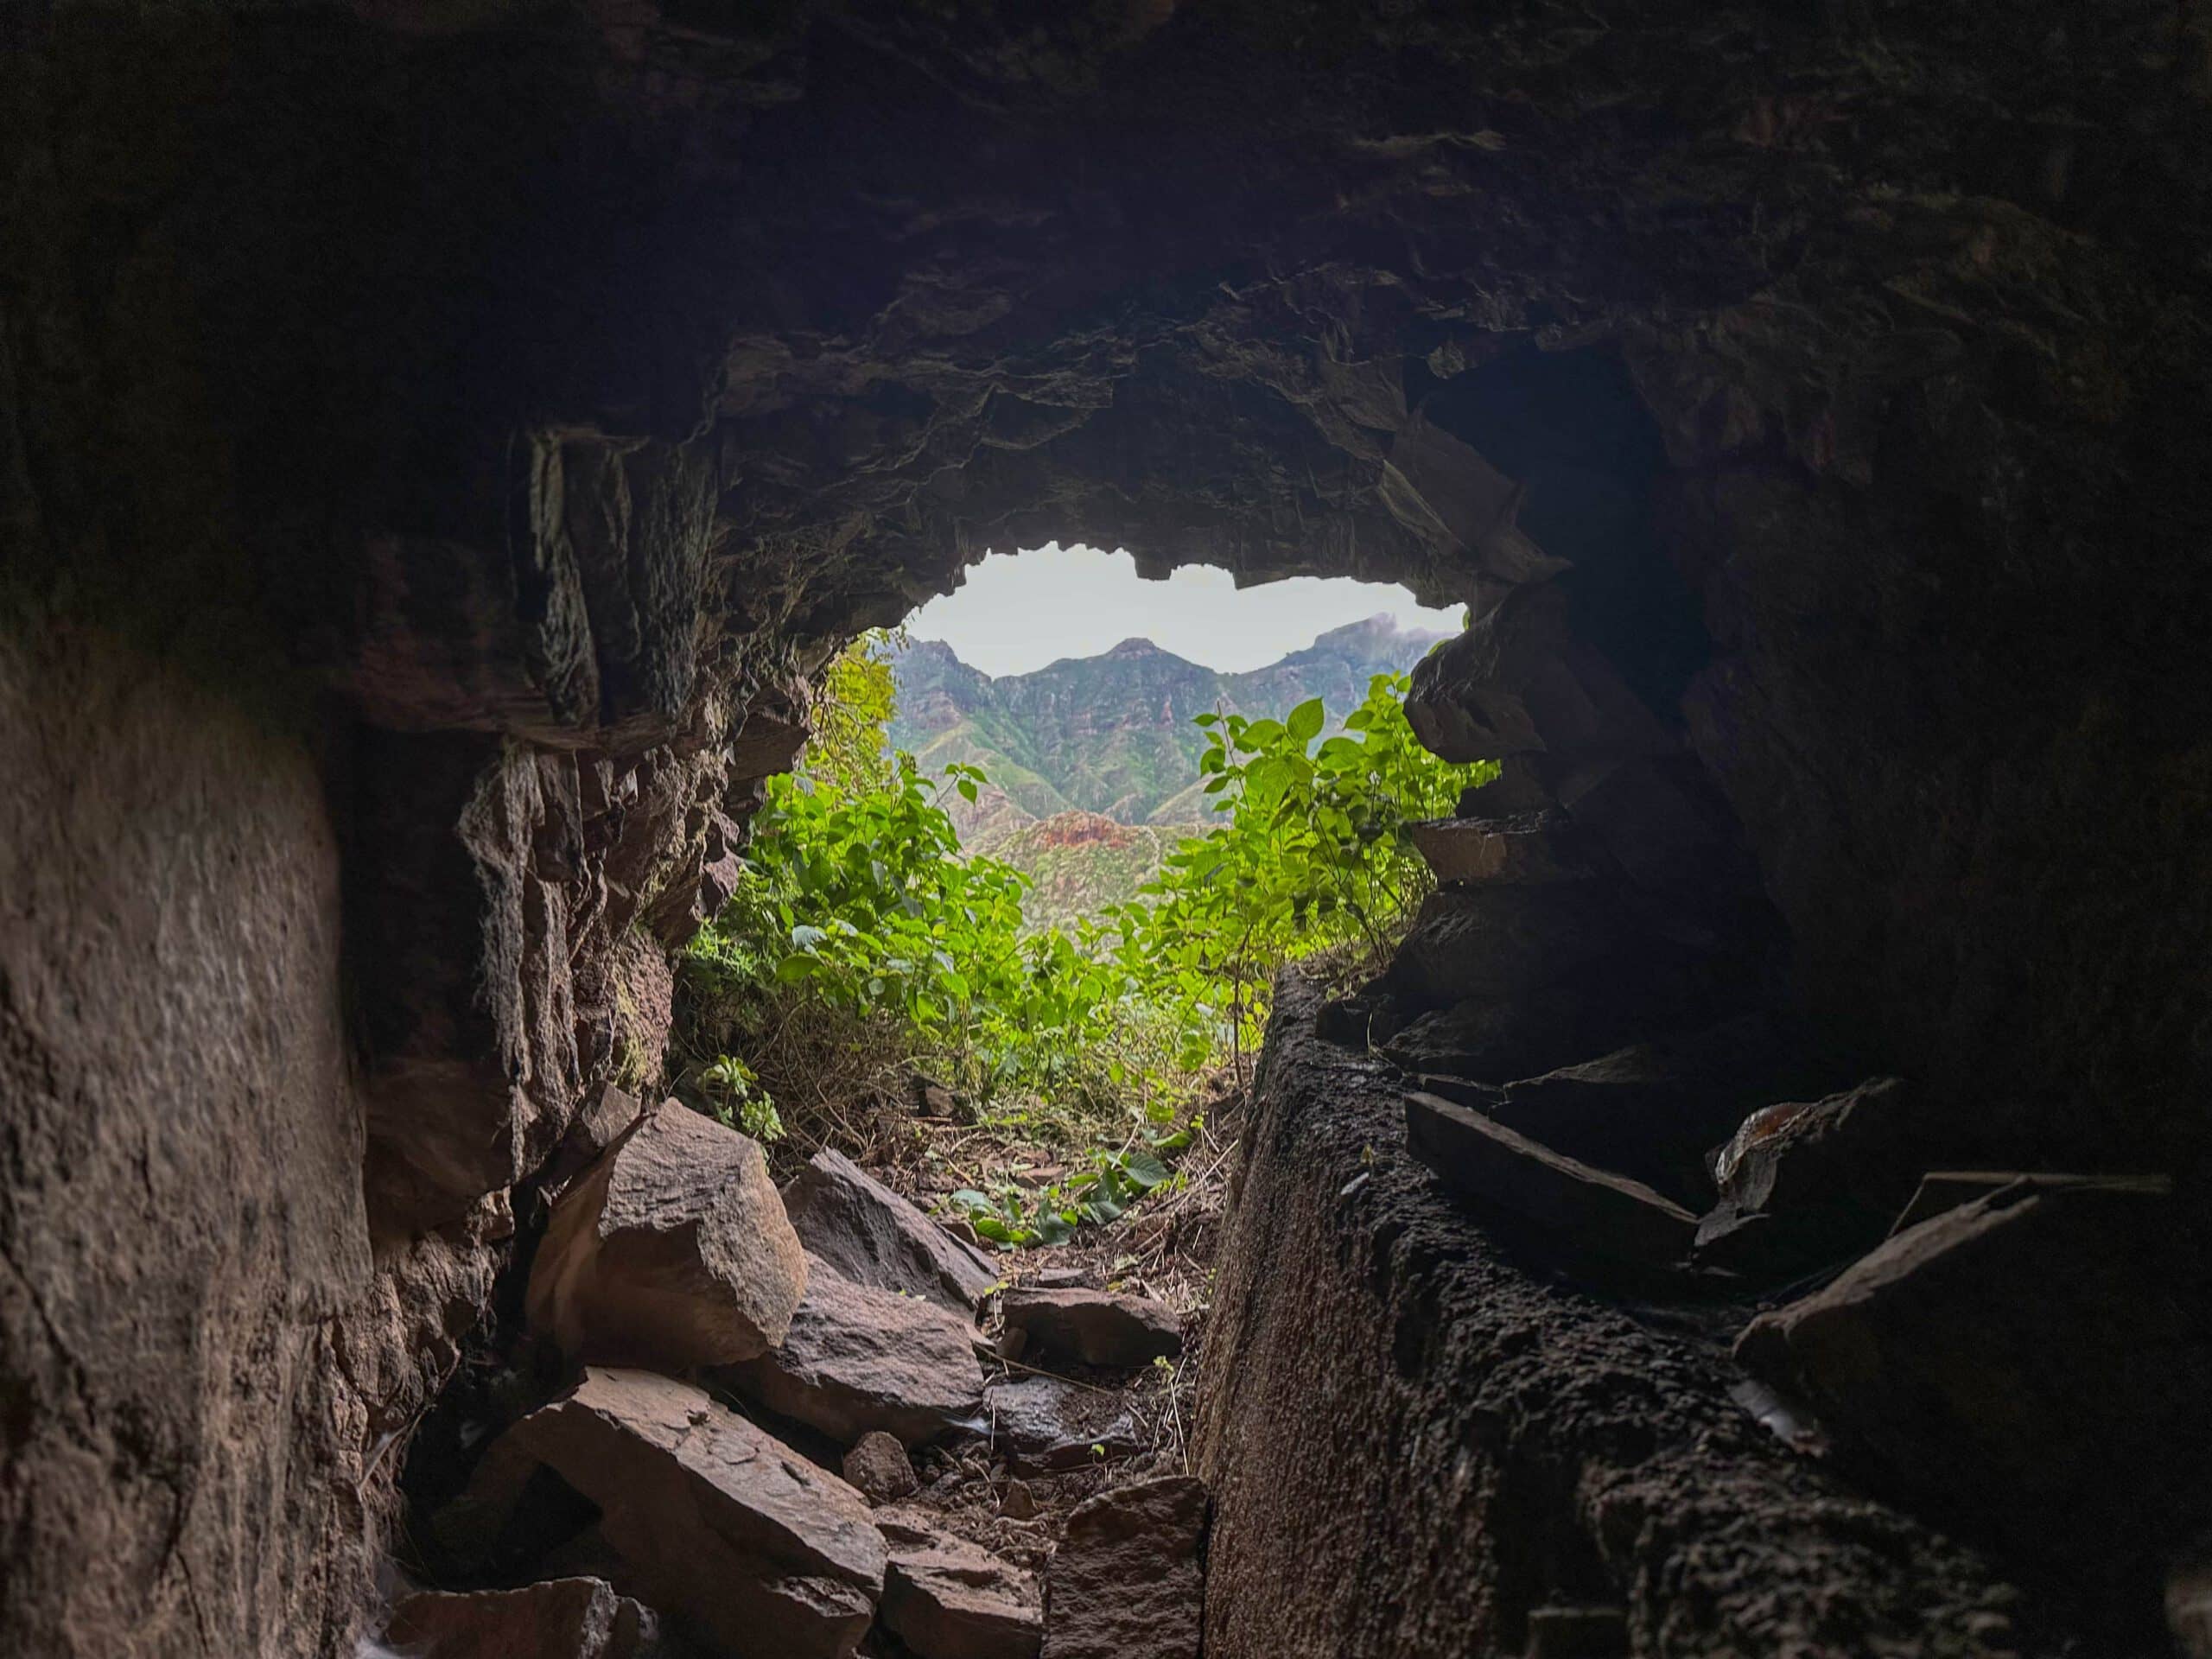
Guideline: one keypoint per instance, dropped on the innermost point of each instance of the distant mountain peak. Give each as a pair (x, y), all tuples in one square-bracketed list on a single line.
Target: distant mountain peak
[(1136, 645)]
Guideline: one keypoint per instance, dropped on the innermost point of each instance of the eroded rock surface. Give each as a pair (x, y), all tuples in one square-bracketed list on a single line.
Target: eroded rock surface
[(1129, 1574), (945, 1598), (672, 1249)]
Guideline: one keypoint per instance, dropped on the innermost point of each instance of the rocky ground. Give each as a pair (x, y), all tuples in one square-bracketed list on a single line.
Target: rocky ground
[(820, 1416)]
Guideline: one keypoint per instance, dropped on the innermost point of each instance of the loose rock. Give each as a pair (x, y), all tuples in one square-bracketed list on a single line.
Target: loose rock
[(565, 1619), (1097, 1327), (1598, 1211), (670, 1251), (1043, 1425), (1126, 1578), (879, 1469), (872, 1237), (857, 1359), (1518, 851), (946, 1598), (2037, 1360), (710, 1516)]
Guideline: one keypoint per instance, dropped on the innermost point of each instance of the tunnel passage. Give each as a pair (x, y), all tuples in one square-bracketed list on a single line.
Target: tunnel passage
[(504, 413)]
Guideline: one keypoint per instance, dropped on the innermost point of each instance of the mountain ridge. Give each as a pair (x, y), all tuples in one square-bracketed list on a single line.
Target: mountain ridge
[(1113, 733)]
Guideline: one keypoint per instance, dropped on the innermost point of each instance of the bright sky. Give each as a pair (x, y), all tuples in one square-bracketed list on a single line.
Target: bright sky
[(1020, 610)]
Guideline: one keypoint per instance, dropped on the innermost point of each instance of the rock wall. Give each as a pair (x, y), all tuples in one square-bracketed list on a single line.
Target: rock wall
[(1482, 1441), (521, 399)]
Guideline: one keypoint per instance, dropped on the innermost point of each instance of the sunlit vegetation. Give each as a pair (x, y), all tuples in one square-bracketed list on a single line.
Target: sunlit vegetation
[(863, 948)]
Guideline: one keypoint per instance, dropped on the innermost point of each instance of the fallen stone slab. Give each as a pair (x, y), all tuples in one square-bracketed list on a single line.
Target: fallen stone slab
[(867, 1232), (1044, 1424), (857, 1359), (1595, 1210), (670, 1251), (1127, 1577), (879, 1469), (566, 1618), (1097, 1327), (713, 1520), (946, 1598), (1946, 1189), (2035, 1362)]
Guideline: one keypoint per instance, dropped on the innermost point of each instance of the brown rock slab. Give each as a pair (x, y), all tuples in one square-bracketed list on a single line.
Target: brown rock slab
[(670, 1251), (857, 1359), (713, 1520), (1043, 1425), (946, 1598), (1127, 1577), (1097, 1327), (564, 1618), (1600, 1212), (2038, 1359), (879, 1469), (867, 1232)]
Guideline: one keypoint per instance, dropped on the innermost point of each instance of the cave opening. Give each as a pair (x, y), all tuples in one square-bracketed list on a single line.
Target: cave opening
[(1753, 1203)]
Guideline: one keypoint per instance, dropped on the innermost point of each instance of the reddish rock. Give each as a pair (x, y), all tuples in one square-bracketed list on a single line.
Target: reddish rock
[(710, 1516), (1519, 851), (672, 1250), (879, 1469), (564, 1618), (945, 1598), (872, 1237), (1096, 1327), (1127, 1577), (857, 1359)]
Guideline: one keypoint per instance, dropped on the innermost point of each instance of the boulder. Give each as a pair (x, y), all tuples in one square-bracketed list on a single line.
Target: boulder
[(867, 1232), (1127, 1577), (1042, 1425), (1599, 1212), (1807, 1184), (1096, 1327), (565, 1619), (2034, 1364), (879, 1469), (670, 1251), (945, 1598), (711, 1518), (1502, 942), (858, 1359)]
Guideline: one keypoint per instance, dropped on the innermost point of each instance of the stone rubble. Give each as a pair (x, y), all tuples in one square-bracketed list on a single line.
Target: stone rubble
[(560, 1618), (867, 1232), (1093, 1327), (1126, 1578)]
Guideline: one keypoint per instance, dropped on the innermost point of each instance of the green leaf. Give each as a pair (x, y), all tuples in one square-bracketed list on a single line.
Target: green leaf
[(796, 967), (1306, 721), (1143, 1169)]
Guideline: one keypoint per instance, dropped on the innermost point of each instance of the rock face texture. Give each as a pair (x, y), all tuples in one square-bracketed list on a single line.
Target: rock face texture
[(1094, 1327), (871, 1237), (670, 1251), (1127, 1576), (564, 1618), (437, 444), (1594, 1461)]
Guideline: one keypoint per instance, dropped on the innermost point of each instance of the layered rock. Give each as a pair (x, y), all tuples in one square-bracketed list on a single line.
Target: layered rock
[(1093, 1327), (562, 1618), (945, 1598)]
